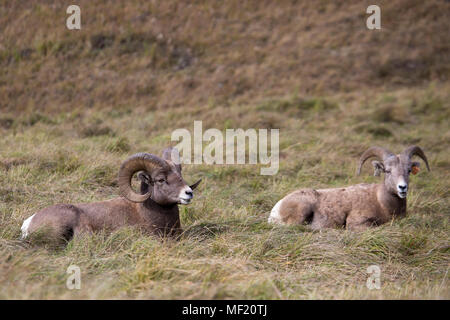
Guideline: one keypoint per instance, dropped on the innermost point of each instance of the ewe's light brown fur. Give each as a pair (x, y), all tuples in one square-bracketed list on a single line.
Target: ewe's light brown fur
[(355, 207)]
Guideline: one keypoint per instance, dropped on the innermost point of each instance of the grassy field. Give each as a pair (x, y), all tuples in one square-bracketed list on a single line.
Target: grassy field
[(75, 104)]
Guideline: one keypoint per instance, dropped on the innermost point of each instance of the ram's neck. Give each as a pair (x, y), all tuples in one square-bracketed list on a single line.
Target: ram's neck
[(160, 219), (150, 204), (392, 204)]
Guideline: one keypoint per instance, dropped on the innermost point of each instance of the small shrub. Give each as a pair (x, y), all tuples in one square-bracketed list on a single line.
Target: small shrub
[(34, 118), (102, 175), (62, 164), (96, 130), (101, 41), (374, 130), (411, 243), (120, 144)]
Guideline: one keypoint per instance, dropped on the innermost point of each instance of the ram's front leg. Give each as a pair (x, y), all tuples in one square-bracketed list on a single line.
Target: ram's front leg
[(176, 231), (177, 234)]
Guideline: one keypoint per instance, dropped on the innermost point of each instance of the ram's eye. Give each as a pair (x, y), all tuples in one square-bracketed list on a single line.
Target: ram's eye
[(160, 180), (387, 171)]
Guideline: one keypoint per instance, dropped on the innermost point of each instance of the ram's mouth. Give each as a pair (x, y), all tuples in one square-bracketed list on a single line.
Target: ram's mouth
[(185, 200), (402, 194)]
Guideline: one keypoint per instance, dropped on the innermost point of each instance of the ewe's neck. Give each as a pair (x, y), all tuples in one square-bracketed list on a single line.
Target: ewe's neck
[(391, 202)]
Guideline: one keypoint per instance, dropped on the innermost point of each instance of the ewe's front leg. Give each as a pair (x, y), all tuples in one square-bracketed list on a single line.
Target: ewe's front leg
[(360, 222)]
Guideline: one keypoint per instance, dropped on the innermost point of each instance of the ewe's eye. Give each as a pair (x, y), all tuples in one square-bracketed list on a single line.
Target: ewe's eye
[(387, 171), (409, 170), (160, 180)]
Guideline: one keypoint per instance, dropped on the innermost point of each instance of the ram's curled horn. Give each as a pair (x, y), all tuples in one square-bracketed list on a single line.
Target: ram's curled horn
[(379, 152), (138, 162), (416, 151), (195, 185)]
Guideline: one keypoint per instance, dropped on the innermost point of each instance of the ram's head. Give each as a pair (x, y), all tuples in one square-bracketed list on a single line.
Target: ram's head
[(160, 177)]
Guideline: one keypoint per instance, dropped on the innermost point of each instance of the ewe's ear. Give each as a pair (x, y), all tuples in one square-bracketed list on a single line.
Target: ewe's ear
[(172, 154), (378, 167), (415, 167), (144, 177)]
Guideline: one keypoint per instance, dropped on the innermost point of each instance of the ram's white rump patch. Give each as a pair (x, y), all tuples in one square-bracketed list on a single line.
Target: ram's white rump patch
[(25, 226)]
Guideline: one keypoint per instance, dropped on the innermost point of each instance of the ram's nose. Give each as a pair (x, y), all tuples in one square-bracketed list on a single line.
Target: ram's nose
[(186, 195)]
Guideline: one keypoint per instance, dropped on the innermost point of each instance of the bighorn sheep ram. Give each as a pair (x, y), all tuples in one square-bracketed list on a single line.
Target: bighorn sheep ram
[(359, 206), (155, 209)]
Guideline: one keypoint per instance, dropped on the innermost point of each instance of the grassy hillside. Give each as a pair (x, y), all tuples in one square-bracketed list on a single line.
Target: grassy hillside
[(75, 104)]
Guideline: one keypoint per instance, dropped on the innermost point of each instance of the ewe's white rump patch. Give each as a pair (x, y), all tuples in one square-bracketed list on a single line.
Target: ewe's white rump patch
[(275, 213), (25, 226)]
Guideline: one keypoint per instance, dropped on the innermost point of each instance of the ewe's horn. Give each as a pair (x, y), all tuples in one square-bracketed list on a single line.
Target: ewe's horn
[(195, 185), (373, 152), (138, 162), (416, 151)]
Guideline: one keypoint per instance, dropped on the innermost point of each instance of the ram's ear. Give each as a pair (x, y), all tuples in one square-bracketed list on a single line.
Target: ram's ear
[(146, 181), (144, 177), (378, 167), (415, 167)]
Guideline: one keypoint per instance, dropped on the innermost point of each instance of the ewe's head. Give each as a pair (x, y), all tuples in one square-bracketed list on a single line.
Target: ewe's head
[(163, 176), (395, 167)]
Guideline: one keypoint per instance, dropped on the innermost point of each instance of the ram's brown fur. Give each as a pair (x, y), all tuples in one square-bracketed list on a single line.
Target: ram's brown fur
[(155, 210)]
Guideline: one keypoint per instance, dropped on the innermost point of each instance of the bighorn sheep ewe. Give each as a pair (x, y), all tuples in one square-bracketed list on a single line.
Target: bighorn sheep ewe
[(359, 206), (155, 209)]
